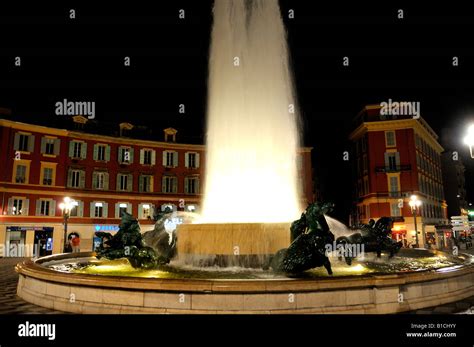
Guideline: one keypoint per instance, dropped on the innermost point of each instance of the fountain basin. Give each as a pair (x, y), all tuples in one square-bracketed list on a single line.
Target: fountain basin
[(231, 244), (369, 293)]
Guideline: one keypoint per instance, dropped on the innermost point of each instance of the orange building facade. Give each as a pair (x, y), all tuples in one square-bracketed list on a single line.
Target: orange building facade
[(104, 176), (397, 157)]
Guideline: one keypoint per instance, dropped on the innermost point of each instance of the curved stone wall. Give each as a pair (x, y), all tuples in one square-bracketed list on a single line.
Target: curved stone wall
[(392, 293)]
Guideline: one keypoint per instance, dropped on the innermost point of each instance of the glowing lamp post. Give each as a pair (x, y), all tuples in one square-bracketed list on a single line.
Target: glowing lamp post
[(414, 205), (469, 139), (66, 206)]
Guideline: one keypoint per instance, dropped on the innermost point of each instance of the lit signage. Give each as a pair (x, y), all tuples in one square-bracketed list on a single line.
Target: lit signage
[(106, 228)]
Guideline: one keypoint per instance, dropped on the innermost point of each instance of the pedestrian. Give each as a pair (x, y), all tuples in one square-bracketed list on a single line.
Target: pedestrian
[(75, 242)]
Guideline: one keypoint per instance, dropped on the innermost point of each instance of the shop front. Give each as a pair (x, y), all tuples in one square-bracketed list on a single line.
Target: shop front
[(399, 234), (28, 241), (444, 237)]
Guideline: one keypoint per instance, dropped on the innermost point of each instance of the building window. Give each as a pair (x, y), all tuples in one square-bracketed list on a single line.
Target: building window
[(395, 211), (169, 184), (20, 175), (45, 207), (125, 155), (390, 140), (121, 208), (24, 142), (98, 209), (76, 210), (50, 146), (18, 206), (393, 186), (192, 160), (100, 180), (76, 178), (145, 211), (147, 157), (124, 182), (191, 185), (101, 152), (146, 184), (77, 150), (170, 159), (47, 176)]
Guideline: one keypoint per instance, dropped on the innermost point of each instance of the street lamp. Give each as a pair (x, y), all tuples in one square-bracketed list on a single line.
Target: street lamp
[(469, 139), (415, 204), (66, 206)]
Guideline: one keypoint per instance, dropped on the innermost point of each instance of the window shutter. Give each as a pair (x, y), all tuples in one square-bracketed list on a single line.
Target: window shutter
[(52, 207), (130, 182), (83, 150), (31, 143), (163, 184), (10, 206), (186, 184), (164, 158), (129, 208), (140, 183), (197, 160), (152, 178), (131, 155), (71, 149), (118, 182), (197, 186), (69, 178), (57, 146), (82, 179), (153, 157), (105, 214), (142, 156), (25, 208), (96, 150), (175, 159), (80, 209), (43, 145), (16, 142), (387, 162), (186, 159), (175, 184), (106, 180), (92, 209), (117, 210), (94, 180), (140, 211), (397, 159), (38, 207), (107, 153), (119, 154)]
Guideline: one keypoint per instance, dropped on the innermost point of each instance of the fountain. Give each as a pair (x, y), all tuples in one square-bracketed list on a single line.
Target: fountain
[(240, 256)]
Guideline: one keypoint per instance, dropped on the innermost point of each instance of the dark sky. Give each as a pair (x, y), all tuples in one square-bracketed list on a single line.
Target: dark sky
[(82, 59)]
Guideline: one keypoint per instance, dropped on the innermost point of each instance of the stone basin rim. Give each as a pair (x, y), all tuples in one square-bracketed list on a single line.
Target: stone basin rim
[(32, 268)]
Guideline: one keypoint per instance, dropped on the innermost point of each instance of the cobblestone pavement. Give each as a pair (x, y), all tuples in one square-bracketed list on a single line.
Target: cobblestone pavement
[(10, 303)]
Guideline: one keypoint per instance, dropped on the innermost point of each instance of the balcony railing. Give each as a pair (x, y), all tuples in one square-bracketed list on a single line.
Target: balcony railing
[(397, 168)]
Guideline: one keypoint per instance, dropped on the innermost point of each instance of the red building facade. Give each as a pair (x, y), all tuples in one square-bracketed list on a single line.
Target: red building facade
[(397, 157), (103, 176)]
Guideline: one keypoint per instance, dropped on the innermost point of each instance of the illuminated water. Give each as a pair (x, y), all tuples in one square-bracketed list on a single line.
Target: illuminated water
[(252, 118), (370, 265)]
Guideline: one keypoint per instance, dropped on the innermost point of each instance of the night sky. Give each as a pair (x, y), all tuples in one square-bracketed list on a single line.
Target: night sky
[(405, 60)]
